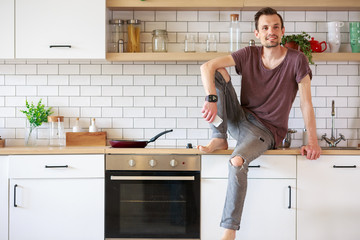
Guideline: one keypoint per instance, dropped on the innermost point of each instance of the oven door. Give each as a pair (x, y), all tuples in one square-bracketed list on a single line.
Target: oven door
[(149, 204)]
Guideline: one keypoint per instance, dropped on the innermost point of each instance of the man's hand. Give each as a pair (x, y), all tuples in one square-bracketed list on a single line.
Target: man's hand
[(312, 151), (209, 111)]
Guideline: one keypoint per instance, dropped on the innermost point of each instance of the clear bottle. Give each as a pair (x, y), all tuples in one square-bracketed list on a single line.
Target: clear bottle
[(133, 32), (159, 40), (56, 131), (117, 36), (234, 33), (92, 127), (76, 127)]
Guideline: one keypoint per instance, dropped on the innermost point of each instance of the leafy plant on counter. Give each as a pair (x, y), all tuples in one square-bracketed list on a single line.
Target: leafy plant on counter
[(36, 115), (302, 40)]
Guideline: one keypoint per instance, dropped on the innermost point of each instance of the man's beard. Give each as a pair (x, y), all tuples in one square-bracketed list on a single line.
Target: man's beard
[(271, 45)]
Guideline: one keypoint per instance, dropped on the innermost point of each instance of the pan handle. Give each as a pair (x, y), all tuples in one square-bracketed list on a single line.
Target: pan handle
[(159, 135)]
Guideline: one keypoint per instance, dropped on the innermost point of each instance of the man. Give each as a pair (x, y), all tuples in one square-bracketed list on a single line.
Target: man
[(271, 77)]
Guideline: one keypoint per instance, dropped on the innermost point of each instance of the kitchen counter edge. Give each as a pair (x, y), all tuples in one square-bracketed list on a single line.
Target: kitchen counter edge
[(109, 150)]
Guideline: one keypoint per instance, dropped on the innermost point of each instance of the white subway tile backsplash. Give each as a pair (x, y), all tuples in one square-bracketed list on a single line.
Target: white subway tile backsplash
[(90, 69), (111, 69), (100, 101), (315, 16), (90, 90), (165, 16), (48, 69), (141, 99), (337, 16), (144, 101), (176, 26), (100, 80), (348, 91), (26, 91), (58, 80), (15, 80), (25, 69), (80, 101), (186, 16), (58, 101), (69, 69), (48, 90)]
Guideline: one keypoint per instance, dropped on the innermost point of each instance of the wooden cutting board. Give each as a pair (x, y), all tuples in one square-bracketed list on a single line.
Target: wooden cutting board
[(85, 139)]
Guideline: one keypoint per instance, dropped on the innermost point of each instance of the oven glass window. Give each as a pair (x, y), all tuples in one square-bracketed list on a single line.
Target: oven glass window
[(153, 208)]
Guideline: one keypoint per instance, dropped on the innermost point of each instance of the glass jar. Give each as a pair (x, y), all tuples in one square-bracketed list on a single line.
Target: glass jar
[(159, 40), (56, 131), (133, 32), (116, 43)]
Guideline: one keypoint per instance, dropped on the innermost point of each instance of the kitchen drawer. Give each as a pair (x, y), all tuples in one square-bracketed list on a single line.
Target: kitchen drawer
[(56, 166), (266, 166)]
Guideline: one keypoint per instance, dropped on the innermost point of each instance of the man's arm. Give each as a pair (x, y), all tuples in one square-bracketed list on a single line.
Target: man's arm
[(312, 149), (208, 70)]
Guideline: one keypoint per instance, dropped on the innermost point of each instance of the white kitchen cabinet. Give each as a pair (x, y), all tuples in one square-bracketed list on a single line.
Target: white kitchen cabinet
[(329, 198), (4, 197), (64, 29), (64, 200), (7, 19), (270, 204)]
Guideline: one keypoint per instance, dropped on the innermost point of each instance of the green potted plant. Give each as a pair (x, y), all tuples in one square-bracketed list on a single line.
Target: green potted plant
[(299, 40), (36, 115)]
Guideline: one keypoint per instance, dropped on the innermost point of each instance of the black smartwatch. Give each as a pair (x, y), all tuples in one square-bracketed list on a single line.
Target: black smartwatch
[(211, 98)]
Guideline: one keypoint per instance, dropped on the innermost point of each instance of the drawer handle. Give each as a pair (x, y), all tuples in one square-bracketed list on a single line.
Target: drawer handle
[(254, 166), (53, 166), (60, 46), (15, 186), (289, 197), (354, 166)]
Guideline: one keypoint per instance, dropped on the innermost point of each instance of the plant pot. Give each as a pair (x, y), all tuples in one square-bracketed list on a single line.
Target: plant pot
[(292, 45), (31, 136)]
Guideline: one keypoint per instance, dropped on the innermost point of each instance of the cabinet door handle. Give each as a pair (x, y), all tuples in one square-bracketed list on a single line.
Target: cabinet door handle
[(289, 187), (335, 166), (60, 46), (54, 166), (254, 166), (15, 186)]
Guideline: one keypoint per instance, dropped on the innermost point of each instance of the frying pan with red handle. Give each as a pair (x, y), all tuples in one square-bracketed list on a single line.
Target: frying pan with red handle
[(135, 143)]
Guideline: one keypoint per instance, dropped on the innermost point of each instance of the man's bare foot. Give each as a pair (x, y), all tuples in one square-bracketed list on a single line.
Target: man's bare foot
[(214, 144), (229, 234)]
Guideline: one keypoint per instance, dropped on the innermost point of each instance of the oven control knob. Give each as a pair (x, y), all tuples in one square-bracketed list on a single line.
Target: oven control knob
[(173, 163), (132, 163), (152, 163)]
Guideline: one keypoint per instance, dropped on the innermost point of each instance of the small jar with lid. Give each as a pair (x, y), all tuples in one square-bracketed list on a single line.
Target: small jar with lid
[(133, 32), (116, 43), (160, 40), (56, 131)]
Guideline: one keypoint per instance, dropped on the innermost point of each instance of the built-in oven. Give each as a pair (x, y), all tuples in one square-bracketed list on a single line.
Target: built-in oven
[(152, 197)]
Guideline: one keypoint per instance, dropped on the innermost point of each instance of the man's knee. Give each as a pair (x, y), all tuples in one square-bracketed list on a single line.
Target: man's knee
[(224, 73), (237, 161)]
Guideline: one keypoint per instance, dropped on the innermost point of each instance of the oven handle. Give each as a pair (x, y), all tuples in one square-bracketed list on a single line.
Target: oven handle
[(165, 178)]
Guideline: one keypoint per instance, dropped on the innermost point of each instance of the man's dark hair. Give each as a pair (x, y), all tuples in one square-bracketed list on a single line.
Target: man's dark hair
[(266, 11)]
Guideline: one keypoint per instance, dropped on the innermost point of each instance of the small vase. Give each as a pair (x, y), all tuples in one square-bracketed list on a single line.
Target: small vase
[(30, 136), (292, 45)]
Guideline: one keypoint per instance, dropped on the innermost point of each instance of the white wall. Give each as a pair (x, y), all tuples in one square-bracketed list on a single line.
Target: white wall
[(138, 100)]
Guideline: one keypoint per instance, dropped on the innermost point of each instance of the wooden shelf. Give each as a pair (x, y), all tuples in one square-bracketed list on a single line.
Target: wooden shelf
[(321, 5), (190, 57), (352, 57)]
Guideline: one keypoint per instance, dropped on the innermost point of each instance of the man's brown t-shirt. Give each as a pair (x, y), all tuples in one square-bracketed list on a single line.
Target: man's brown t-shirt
[(269, 93)]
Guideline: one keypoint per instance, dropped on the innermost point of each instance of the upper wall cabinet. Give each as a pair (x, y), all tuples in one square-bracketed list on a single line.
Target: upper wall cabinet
[(7, 29), (64, 29)]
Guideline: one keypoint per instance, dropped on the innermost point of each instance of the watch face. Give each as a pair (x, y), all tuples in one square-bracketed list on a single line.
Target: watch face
[(211, 98)]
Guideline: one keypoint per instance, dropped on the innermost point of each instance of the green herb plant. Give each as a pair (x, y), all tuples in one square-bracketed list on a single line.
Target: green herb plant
[(302, 40), (36, 115)]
